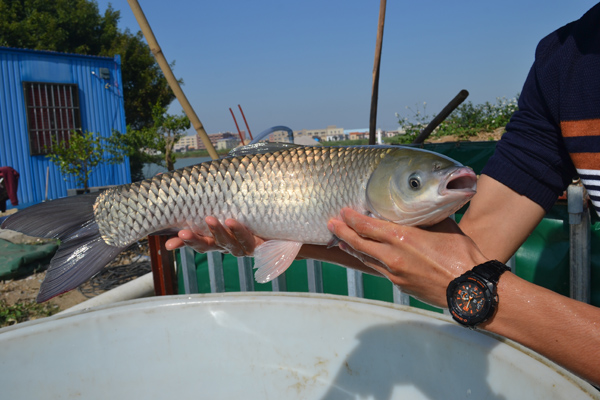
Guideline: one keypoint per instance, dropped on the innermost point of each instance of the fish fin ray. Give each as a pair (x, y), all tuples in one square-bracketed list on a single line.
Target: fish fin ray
[(77, 260), (333, 242), (81, 253), (53, 219), (273, 257)]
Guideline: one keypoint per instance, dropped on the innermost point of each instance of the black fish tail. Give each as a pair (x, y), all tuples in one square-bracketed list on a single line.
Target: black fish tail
[(81, 253)]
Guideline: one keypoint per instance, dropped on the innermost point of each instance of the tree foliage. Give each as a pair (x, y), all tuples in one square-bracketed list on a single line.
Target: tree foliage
[(153, 144), (76, 26), (82, 153), (168, 129)]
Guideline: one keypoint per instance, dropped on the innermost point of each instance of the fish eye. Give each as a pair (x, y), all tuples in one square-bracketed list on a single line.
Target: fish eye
[(414, 182)]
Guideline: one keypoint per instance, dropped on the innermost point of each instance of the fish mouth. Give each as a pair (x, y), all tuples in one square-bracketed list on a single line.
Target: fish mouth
[(462, 180)]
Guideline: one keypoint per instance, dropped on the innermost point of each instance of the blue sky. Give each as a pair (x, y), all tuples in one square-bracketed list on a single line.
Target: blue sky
[(308, 64)]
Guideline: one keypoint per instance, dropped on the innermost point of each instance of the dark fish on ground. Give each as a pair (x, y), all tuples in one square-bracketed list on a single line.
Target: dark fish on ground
[(285, 194)]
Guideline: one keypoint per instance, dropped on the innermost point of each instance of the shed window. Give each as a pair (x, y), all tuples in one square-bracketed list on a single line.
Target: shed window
[(52, 112)]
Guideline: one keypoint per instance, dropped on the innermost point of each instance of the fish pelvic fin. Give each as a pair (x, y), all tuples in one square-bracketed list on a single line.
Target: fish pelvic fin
[(81, 253), (273, 257)]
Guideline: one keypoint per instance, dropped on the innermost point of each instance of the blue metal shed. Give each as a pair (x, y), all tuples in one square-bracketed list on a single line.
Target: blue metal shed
[(32, 80)]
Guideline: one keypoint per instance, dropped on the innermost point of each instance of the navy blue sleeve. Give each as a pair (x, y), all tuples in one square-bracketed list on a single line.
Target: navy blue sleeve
[(531, 157)]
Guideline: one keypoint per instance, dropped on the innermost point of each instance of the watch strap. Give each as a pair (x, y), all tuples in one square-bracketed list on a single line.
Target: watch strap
[(491, 270)]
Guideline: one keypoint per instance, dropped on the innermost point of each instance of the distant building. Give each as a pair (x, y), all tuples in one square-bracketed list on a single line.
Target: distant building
[(280, 137), (215, 137), (187, 143), (358, 135), (226, 144), (336, 138), (319, 134)]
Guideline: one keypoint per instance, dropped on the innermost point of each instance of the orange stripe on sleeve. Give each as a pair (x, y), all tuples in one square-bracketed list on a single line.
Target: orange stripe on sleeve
[(587, 127), (586, 160)]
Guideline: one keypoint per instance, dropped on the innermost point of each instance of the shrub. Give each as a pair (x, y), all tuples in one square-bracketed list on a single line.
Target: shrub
[(465, 121)]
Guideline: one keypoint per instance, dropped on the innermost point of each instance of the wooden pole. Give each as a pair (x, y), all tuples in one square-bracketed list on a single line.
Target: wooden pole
[(455, 102), (375, 90), (163, 266), (245, 122), (166, 69), (237, 126)]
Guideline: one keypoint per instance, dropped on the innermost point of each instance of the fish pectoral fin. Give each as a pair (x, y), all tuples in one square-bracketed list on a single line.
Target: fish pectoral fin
[(273, 257), (333, 242)]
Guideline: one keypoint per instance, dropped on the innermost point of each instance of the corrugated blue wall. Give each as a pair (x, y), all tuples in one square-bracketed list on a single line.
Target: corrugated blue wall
[(102, 111)]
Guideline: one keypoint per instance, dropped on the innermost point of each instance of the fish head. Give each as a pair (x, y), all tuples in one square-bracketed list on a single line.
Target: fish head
[(417, 187)]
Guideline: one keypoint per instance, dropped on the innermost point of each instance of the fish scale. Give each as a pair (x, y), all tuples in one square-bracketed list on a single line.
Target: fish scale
[(255, 189)]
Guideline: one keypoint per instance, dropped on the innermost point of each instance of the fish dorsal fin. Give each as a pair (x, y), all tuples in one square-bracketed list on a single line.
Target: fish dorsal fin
[(261, 148), (273, 257)]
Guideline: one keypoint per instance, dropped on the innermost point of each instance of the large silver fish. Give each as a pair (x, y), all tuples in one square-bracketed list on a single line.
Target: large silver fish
[(286, 196)]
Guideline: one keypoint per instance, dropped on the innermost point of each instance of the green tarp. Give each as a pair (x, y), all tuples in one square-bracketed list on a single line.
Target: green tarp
[(18, 260)]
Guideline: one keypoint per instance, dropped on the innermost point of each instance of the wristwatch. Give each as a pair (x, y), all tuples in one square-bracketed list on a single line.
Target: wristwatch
[(472, 297)]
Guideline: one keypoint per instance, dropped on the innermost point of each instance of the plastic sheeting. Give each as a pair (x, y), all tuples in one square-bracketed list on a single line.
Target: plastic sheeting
[(17, 260)]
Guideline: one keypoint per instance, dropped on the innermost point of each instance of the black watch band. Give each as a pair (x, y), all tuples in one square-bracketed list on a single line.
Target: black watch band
[(491, 270)]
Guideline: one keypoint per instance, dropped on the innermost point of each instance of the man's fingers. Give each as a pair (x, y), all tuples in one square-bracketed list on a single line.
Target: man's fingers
[(358, 246), (371, 228), (224, 238), (201, 244), (174, 243), (366, 259), (219, 232), (244, 237)]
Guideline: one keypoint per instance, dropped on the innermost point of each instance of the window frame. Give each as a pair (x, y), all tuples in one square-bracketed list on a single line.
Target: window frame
[(62, 119)]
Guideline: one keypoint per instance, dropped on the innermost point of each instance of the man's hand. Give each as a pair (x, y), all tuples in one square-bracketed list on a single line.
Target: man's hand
[(233, 237), (421, 261)]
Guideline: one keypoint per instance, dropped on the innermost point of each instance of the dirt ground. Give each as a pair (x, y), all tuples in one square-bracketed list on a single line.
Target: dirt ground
[(481, 137), (26, 289), (129, 265)]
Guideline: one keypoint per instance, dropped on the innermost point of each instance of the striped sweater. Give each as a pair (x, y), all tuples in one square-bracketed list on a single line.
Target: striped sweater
[(554, 137)]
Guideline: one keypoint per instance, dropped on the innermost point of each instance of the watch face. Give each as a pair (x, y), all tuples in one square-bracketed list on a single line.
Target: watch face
[(470, 301), (469, 297)]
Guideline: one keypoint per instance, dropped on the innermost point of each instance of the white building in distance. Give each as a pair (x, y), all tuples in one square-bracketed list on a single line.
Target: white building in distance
[(187, 143), (332, 133)]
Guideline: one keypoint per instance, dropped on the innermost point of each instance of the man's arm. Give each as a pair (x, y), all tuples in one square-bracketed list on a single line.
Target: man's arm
[(424, 261), (499, 219), (564, 330)]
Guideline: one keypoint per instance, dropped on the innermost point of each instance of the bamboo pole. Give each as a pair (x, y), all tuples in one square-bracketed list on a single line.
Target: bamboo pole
[(166, 69), (375, 90)]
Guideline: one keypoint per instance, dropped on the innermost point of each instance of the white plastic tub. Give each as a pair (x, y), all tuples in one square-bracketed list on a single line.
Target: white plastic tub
[(269, 346)]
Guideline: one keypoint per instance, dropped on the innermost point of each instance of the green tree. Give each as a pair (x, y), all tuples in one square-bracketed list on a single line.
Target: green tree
[(153, 144), (137, 144), (82, 153), (76, 26), (169, 129)]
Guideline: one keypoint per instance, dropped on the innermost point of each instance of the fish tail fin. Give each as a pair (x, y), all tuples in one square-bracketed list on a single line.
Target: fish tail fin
[(81, 253)]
